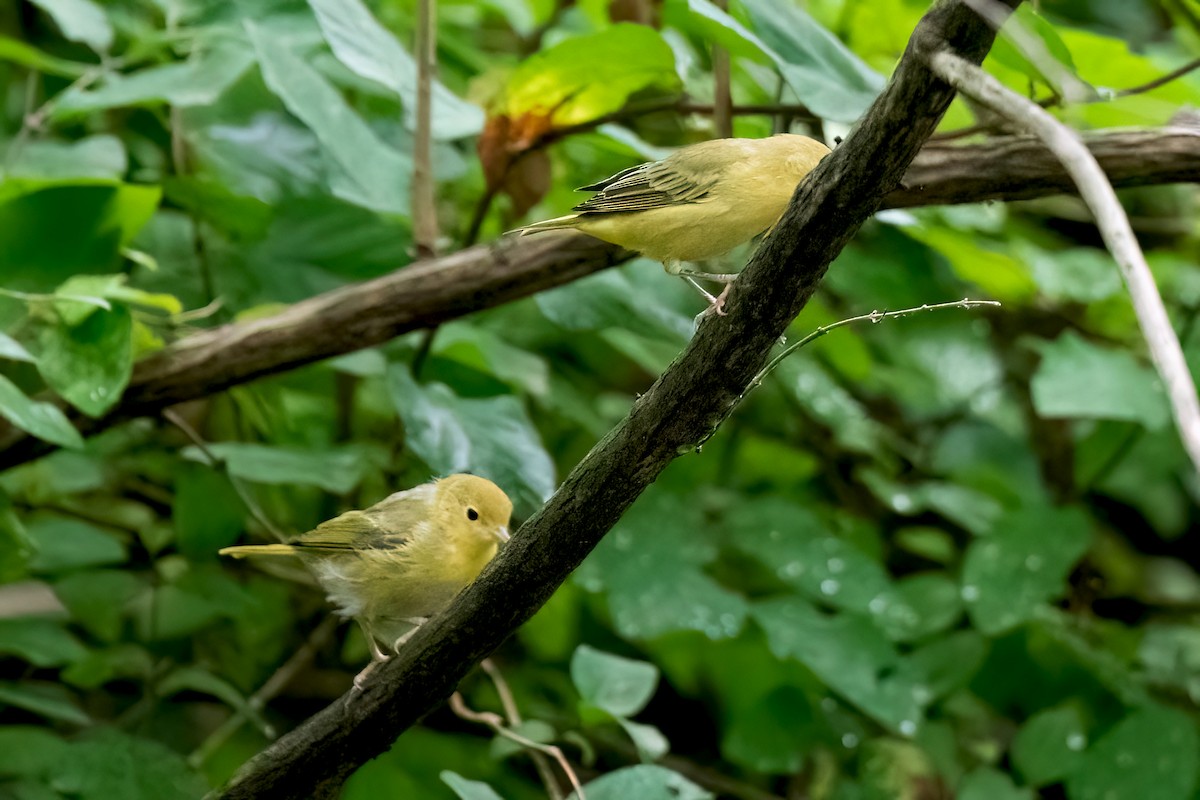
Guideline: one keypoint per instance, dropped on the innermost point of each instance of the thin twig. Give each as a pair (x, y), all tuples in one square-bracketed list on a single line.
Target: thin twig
[(496, 723), (509, 704), (266, 693), (722, 97), (424, 204), (874, 316), (217, 462), (1101, 199)]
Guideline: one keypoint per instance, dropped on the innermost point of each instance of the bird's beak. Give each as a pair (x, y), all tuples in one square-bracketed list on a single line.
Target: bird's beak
[(502, 533)]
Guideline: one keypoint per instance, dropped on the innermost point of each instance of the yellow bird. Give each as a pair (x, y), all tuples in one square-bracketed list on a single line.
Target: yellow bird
[(701, 201), (402, 560)]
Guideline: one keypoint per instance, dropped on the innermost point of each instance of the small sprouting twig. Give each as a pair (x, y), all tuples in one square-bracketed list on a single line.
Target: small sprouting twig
[(873, 317), (266, 693), (1163, 80), (509, 704), (216, 462), (496, 723), (1101, 199)]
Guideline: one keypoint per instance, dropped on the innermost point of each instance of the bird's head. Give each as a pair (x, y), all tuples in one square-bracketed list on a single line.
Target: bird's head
[(475, 507)]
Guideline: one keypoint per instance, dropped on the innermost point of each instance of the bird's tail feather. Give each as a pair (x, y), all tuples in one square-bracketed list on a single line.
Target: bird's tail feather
[(258, 550), (556, 224)]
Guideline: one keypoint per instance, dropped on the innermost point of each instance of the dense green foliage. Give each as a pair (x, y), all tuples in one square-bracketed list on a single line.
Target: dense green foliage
[(942, 554)]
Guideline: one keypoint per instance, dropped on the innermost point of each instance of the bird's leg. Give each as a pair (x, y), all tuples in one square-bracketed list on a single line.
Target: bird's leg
[(377, 658), (416, 622), (716, 304)]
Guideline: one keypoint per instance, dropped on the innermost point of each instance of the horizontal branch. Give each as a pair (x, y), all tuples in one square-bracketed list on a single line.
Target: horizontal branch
[(1021, 168), (668, 420), (431, 292)]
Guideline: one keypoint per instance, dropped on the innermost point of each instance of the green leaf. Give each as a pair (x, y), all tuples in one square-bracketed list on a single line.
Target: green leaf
[(645, 782), (649, 567), (917, 606), (492, 437), (989, 784), (28, 750), (1080, 379), (1007, 53), (100, 158), (1050, 745), (108, 763), (41, 642), (80, 21), (799, 549), (101, 666), (207, 511), (774, 734), (1152, 747), (621, 60), (63, 544), (1079, 274), (43, 420), (850, 655), (16, 547), (336, 470), (1010, 574), (370, 50), (650, 742), (620, 298), (48, 700), (371, 172), (826, 76), (620, 686), (11, 349), (97, 599), (89, 364), (199, 81), (950, 662), (466, 789), (195, 679)]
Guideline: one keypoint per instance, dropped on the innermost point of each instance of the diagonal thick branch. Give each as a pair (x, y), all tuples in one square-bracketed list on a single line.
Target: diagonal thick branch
[(431, 292), (841, 194)]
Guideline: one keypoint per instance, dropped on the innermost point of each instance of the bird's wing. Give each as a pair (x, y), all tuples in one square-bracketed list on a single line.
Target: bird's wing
[(390, 524), (659, 184)]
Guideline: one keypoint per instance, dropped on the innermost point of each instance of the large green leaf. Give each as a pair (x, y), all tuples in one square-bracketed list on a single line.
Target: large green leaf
[(1080, 379), (368, 171), (63, 543), (466, 789), (1050, 745), (649, 567), (108, 763), (43, 420), (80, 21), (89, 363), (1009, 574), (28, 750), (41, 642), (370, 50), (35, 255), (334, 470), (618, 685), (850, 655), (645, 782), (97, 599), (1152, 747), (492, 437), (49, 700), (198, 82)]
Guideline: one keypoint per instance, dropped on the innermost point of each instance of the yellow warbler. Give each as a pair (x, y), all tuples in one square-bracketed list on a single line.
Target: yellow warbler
[(697, 203), (405, 558)]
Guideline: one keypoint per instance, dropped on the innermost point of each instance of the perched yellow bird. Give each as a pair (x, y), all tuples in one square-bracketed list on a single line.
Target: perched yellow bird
[(701, 201), (402, 560)]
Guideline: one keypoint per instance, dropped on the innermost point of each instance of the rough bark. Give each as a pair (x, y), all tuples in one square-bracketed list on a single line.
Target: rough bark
[(843, 192)]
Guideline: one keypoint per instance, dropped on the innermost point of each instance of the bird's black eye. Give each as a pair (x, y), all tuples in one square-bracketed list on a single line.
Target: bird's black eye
[(472, 514)]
